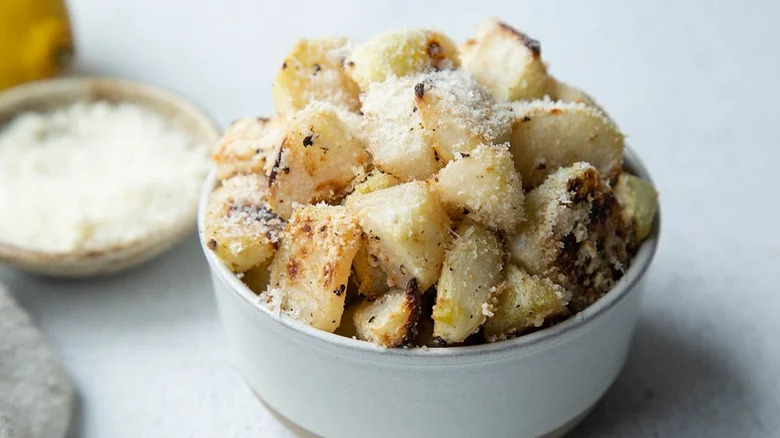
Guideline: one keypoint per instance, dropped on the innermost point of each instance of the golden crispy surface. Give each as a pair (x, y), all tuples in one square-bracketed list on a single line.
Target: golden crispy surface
[(249, 145), (469, 278), (506, 60), (318, 160), (407, 231), (240, 226), (401, 53), (314, 71), (391, 319), (574, 233), (483, 186), (523, 303), (312, 266), (548, 135)]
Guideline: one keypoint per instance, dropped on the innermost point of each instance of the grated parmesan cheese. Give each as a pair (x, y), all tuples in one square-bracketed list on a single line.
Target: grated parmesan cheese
[(95, 175)]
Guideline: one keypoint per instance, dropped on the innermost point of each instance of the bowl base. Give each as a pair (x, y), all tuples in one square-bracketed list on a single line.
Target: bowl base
[(300, 432)]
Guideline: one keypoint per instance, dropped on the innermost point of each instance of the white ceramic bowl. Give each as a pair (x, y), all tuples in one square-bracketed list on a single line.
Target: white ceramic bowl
[(541, 384), (50, 94)]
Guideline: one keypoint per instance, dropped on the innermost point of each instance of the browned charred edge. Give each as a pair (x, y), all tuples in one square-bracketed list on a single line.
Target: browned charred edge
[(292, 269), (277, 163), (436, 53), (212, 244), (584, 185), (419, 90), (532, 44), (588, 279), (434, 49), (263, 119), (414, 298), (567, 260)]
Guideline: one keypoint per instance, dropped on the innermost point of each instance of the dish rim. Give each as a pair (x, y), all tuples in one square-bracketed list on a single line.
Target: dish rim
[(547, 336)]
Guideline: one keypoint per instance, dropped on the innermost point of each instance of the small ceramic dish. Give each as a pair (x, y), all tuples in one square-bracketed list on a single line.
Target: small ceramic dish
[(540, 384), (48, 95)]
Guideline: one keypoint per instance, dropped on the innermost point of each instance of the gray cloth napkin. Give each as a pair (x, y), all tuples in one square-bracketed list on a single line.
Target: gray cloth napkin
[(36, 396)]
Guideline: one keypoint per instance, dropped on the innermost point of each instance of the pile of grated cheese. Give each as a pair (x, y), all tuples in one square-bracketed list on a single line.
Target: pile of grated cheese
[(93, 176)]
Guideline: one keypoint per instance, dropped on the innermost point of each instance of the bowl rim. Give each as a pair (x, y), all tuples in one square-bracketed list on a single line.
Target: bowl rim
[(54, 262), (548, 336)]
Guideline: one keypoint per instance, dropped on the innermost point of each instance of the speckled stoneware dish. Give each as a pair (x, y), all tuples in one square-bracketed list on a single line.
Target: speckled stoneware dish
[(48, 95), (540, 384)]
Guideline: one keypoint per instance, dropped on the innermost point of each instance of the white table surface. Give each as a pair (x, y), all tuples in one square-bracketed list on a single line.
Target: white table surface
[(693, 84)]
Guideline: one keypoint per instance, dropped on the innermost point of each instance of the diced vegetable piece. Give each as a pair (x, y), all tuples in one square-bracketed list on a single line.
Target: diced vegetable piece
[(396, 138), (639, 200), (574, 233), (401, 53), (406, 230), (507, 61), (523, 302), (458, 113), (549, 135), (483, 186), (249, 145), (312, 266), (318, 160), (389, 320), (370, 279), (240, 227), (418, 123), (313, 70), (471, 273)]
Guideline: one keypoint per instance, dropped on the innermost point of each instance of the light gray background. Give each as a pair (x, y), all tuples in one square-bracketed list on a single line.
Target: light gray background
[(693, 84)]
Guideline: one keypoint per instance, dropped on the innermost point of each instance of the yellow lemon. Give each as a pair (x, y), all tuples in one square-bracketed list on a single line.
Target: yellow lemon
[(35, 40)]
